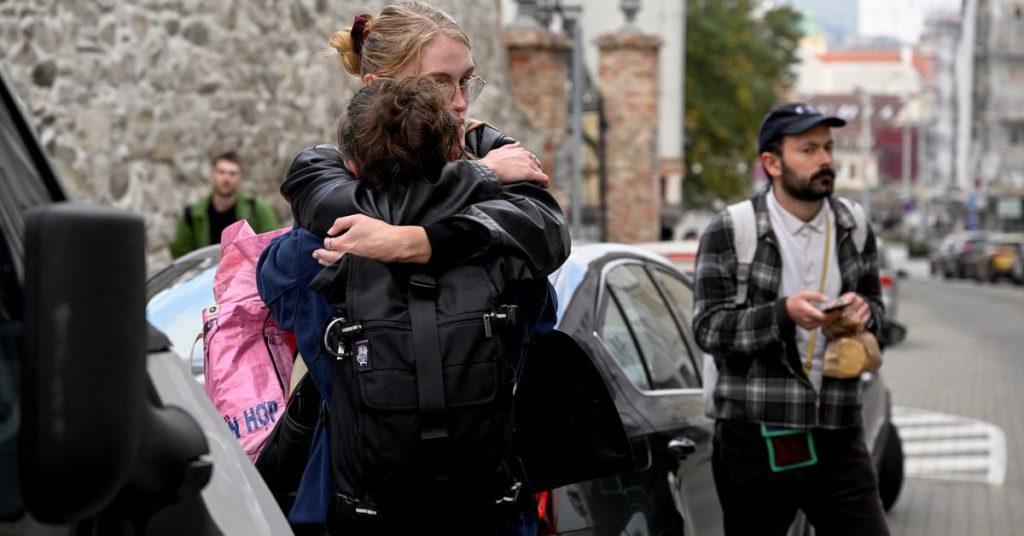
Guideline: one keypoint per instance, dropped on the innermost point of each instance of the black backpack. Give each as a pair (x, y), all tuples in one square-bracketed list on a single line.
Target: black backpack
[(420, 418)]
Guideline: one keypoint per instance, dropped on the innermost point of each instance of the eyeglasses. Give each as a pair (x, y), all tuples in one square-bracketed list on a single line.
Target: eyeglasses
[(471, 87)]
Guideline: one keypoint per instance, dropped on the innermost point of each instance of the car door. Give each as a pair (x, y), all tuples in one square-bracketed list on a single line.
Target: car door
[(695, 478), (649, 337)]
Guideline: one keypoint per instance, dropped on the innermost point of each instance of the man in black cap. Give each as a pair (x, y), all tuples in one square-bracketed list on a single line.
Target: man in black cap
[(769, 270)]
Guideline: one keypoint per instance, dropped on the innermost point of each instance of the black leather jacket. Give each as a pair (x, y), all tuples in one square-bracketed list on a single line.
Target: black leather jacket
[(521, 219)]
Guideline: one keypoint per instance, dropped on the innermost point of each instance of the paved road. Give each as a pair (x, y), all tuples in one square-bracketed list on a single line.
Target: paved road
[(958, 384)]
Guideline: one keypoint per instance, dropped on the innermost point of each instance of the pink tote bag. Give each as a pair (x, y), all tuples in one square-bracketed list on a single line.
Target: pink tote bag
[(248, 358)]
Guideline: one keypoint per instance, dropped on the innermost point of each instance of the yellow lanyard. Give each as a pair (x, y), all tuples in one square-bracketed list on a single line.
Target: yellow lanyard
[(824, 276)]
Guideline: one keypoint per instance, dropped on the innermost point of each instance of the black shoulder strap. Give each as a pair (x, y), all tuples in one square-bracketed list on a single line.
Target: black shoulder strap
[(429, 371), (188, 215)]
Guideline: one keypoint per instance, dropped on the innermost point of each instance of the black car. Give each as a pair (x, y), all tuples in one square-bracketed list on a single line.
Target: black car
[(630, 311)]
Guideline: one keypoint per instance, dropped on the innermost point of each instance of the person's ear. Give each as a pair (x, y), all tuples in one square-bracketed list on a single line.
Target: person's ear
[(772, 164), (352, 167), (369, 78)]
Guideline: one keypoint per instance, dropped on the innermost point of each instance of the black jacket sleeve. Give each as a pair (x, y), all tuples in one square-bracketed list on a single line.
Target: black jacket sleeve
[(522, 219)]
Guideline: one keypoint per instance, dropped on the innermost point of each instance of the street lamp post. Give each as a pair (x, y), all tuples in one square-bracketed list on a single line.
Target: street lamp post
[(865, 147), (906, 125), (527, 15), (572, 15), (630, 8)]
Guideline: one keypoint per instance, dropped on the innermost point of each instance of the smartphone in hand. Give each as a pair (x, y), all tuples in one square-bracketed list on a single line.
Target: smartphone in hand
[(827, 307)]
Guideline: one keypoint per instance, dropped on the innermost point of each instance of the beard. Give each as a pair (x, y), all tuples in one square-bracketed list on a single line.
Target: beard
[(814, 188)]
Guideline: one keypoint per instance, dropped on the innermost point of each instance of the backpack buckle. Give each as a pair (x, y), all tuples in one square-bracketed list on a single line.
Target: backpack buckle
[(336, 332), (511, 314)]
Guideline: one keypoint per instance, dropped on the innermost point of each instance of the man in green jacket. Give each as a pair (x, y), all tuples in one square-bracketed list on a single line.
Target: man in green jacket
[(202, 222)]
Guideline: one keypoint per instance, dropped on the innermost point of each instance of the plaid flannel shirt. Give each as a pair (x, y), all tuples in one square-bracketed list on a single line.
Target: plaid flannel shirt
[(761, 378)]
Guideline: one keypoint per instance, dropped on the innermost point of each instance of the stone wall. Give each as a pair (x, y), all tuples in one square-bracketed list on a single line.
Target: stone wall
[(132, 99)]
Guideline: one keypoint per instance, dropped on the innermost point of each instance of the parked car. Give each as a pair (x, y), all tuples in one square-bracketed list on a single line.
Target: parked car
[(1001, 257), (1017, 272), (682, 253), (102, 431), (945, 260), (191, 278), (937, 262), (889, 277), (630, 311), (972, 255), (958, 255)]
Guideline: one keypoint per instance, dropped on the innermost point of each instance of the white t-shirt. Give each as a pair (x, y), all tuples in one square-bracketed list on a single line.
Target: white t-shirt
[(802, 246)]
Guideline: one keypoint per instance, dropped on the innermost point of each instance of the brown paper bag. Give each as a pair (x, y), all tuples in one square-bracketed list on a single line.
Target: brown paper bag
[(851, 350)]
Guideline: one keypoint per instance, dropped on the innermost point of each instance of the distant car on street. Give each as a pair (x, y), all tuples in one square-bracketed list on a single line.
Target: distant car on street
[(958, 255), (1001, 258), (889, 276)]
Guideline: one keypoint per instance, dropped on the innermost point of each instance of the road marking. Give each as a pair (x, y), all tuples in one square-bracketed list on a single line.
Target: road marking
[(942, 432), (950, 447)]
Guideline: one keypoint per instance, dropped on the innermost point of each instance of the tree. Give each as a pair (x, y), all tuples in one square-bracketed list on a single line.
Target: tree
[(738, 66)]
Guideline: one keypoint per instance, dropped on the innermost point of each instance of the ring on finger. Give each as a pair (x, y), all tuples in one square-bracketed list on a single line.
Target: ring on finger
[(330, 243)]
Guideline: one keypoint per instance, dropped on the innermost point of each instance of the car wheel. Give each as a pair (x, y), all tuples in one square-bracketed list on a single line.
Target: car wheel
[(890, 470)]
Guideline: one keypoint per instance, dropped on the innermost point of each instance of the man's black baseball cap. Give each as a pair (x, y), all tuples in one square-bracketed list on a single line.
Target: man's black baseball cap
[(792, 118)]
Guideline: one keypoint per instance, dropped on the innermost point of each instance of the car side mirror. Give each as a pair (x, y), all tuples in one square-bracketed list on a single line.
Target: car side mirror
[(96, 441), (85, 357), (892, 333)]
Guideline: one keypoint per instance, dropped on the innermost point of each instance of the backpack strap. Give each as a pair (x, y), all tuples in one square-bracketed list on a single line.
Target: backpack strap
[(188, 216), (744, 238), (860, 232), (429, 371)]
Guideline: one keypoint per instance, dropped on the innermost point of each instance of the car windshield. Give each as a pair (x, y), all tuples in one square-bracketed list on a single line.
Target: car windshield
[(178, 296)]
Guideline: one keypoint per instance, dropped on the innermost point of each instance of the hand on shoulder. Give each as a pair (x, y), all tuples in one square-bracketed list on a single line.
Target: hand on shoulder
[(375, 239), (512, 163)]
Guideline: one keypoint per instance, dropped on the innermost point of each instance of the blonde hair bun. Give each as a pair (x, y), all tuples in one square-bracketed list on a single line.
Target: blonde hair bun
[(343, 43), (393, 38)]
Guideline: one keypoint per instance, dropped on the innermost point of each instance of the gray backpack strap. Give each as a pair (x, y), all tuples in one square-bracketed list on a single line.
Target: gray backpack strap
[(860, 232), (744, 238)]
